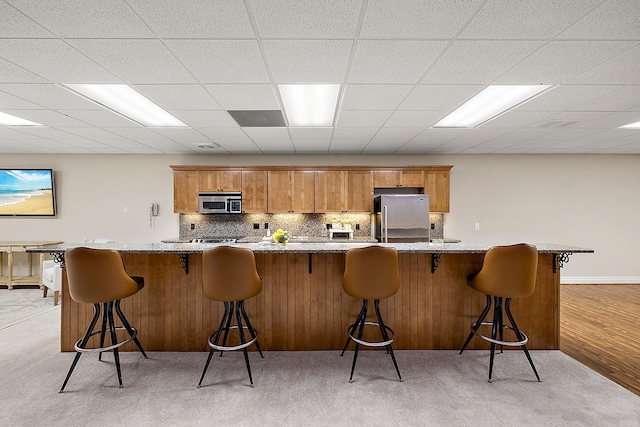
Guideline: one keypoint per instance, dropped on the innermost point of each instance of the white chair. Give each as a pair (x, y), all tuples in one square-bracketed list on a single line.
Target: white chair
[(51, 279)]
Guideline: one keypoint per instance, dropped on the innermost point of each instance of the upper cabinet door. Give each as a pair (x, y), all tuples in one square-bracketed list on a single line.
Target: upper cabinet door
[(359, 191), (437, 187), (329, 191), (254, 191), (279, 193), (220, 180), (398, 179), (303, 191), (185, 191)]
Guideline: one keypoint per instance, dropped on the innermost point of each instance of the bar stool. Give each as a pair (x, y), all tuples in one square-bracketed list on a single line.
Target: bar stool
[(507, 272), (230, 276), (371, 273), (97, 276)]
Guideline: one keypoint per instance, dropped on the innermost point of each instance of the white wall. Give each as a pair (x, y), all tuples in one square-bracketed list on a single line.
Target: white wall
[(587, 201)]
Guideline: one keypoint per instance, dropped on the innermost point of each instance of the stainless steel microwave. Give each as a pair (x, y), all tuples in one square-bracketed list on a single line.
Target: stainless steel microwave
[(229, 202)]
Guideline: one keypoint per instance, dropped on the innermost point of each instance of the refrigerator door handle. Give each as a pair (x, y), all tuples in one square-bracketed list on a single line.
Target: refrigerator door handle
[(385, 224)]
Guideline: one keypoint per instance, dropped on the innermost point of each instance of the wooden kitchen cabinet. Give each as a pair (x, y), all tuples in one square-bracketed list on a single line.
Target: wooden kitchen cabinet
[(329, 191), (398, 179), (254, 191), (220, 180), (437, 187), (359, 191), (185, 191), (291, 191)]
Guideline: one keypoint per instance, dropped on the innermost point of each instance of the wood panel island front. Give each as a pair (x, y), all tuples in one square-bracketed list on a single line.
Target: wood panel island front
[(302, 305)]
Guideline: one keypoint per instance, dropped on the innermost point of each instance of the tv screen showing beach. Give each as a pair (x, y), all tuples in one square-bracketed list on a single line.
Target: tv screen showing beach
[(27, 192)]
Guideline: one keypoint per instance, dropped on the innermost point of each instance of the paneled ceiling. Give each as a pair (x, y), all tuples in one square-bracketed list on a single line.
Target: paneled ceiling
[(402, 66)]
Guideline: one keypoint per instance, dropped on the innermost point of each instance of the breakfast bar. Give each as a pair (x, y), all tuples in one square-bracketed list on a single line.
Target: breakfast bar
[(302, 305)]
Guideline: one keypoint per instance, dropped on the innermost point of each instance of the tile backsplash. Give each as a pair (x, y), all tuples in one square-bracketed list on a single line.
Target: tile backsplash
[(238, 225)]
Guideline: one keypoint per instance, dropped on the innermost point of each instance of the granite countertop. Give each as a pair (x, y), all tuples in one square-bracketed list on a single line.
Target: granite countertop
[(327, 246)]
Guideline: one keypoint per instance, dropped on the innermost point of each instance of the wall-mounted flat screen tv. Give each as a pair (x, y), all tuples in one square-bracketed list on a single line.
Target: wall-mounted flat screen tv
[(27, 192)]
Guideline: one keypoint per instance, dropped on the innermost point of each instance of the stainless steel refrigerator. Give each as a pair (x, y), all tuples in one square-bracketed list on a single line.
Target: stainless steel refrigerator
[(401, 218)]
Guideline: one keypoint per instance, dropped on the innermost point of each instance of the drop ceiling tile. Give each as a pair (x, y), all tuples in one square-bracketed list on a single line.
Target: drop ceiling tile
[(16, 24), (8, 101), (319, 19), (307, 61), (50, 133), (564, 97), (260, 133), (436, 137), (478, 61), (179, 97), (439, 97), (138, 133), (11, 73), (135, 61), (623, 69), (66, 19), (347, 146), (560, 61), (362, 119), (541, 19), (612, 20), (310, 134), (391, 139), (244, 97), (54, 60), (221, 61), (516, 119), (99, 118), (275, 146), (391, 61), (569, 134), (416, 19), (14, 133), (184, 135), (374, 97), (409, 119), (50, 96), (195, 18), (360, 134), (610, 121), (526, 134), (498, 144), (215, 118), (476, 136), (86, 132), (622, 99)]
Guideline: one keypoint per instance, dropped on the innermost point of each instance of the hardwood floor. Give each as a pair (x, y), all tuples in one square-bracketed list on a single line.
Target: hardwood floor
[(599, 328)]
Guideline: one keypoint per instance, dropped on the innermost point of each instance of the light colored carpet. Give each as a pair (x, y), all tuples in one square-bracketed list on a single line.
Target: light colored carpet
[(17, 305), (298, 388)]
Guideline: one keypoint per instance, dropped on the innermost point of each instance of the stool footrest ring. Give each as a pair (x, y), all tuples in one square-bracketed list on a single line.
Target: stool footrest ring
[(507, 343), (372, 344), (111, 347), (235, 347)]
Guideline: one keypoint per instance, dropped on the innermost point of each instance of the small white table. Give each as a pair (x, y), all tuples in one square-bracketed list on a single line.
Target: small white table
[(12, 247), (333, 231)]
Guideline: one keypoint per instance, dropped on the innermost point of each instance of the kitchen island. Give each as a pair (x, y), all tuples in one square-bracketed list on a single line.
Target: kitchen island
[(302, 305)]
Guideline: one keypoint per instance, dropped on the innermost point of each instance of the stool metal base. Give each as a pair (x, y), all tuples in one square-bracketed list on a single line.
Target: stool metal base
[(231, 308), (497, 332), (359, 324), (107, 316)]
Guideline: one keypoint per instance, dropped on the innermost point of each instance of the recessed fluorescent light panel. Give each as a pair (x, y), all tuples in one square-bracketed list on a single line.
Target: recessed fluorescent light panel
[(489, 104), (125, 101), (310, 105), (9, 120), (635, 125)]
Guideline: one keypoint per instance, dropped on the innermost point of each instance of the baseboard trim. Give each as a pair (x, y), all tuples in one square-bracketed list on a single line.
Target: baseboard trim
[(611, 280)]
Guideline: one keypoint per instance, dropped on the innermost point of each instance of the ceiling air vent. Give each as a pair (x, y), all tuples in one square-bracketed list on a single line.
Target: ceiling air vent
[(258, 118), (558, 124)]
